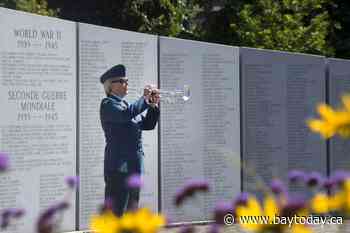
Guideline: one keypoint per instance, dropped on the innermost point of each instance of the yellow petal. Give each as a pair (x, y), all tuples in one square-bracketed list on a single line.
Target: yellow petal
[(326, 112), (147, 222), (252, 209), (319, 203), (105, 223), (342, 118), (324, 128), (127, 222), (270, 208)]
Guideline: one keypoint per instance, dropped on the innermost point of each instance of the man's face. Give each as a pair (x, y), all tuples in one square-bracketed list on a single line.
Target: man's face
[(120, 86)]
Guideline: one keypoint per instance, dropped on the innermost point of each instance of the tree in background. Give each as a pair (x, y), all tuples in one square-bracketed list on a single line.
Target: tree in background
[(162, 17), (288, 25), (168, 18), (33, 6)]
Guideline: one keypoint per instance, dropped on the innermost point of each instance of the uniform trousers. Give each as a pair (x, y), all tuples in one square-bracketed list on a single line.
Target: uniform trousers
[(117, 191)]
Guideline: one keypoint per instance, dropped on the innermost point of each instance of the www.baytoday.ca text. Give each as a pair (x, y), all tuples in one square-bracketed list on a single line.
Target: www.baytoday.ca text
[(284, 220)]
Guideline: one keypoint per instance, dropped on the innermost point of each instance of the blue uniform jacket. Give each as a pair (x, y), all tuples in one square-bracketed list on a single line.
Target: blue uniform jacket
[(122, 125)]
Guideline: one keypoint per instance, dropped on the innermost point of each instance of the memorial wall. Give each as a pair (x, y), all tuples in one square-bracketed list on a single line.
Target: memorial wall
[(38, 116), (50, 96), (338, 85), (100, 48), (200, 138), (280, 91)]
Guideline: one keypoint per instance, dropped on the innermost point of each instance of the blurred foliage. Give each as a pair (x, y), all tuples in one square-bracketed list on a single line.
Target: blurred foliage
[(33, 6), (308, 26), (289, 25), (162, 17), (173, 18)]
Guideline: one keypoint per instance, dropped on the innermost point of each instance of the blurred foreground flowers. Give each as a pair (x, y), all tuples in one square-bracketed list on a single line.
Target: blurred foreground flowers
[(330, 197), (270, 214), (4, 162), (138, 221), (282, 212), (332, 121), (142, 220), (50, 218)]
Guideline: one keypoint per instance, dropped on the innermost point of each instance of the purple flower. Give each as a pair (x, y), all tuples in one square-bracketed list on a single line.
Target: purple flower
[(277, 186), (329, 184), (222, 209), (135, 181), (295, 176), (7, 214), (5, 218), (293, 206), (339, 177), (62, 206), (5, 222), (46, 221), (48, 214), (242, 199), (190, 189), (314, 179), (180, 196), (4, 161), (202, 186), (17, 213), (72, 181)]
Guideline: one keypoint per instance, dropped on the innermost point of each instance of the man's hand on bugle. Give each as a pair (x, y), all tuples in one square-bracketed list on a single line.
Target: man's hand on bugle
[(151, 95)]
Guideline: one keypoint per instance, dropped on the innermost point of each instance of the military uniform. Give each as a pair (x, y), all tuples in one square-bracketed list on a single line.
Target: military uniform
[(122, 124)]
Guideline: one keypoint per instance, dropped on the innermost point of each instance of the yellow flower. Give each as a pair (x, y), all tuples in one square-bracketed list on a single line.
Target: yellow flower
[(321, 127), (270, 208), (268, 211), (253, 209), (326, 112), (340, 201), (147, 222), (332, 121), (320, 203), (105, 223), (140, 221), (127, 221)]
